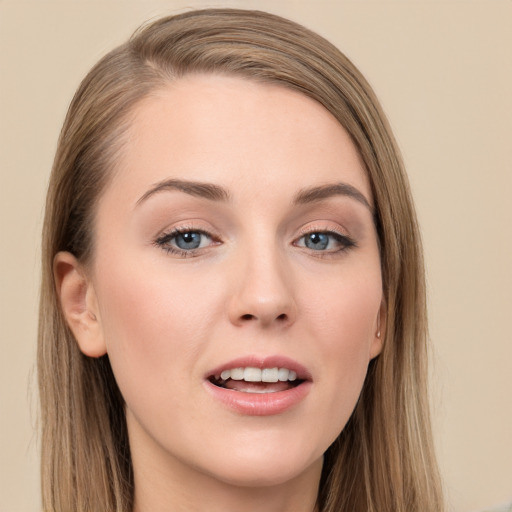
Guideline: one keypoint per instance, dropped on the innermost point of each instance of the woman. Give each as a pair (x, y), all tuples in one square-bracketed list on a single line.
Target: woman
[(233, 295)]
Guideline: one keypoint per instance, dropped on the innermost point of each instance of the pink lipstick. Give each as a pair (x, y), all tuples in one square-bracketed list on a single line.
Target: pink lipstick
[(259, 386)]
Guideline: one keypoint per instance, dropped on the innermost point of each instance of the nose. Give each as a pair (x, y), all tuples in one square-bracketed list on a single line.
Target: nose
[(262, 291)]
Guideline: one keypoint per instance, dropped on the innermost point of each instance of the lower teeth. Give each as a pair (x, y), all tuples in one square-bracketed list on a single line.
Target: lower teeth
[(255, 387)]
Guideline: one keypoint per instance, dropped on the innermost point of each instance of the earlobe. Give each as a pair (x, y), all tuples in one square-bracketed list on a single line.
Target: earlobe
[(79, 305), (380, 329)]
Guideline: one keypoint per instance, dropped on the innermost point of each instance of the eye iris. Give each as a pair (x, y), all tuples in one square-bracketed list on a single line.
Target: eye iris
[(317, 241), (190, 240)]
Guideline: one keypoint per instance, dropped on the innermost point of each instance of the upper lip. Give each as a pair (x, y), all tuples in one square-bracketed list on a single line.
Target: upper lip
[(255, 361)]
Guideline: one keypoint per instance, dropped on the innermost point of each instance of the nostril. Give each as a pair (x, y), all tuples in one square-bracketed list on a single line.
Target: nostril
[(281, 318)]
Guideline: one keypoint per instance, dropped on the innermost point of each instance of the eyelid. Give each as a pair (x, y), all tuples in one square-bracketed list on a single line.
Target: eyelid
[(162, 240), (323, 227), (345, 240)]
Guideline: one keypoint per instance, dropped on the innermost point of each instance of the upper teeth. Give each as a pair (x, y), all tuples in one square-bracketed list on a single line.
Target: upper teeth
[(250, 374)]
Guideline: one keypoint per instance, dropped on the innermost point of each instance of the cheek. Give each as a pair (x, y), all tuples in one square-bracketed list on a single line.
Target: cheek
[(154, 326), (344, 327), (345, 313)]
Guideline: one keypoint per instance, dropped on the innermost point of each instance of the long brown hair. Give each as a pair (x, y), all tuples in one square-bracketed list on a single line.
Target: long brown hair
[(383, 460)]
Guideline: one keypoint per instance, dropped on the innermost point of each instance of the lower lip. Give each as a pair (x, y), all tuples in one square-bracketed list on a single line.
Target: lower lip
[(259, 404)]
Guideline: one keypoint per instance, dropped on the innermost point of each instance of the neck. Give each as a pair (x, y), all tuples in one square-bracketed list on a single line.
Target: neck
[(203, 493), (164, 483)]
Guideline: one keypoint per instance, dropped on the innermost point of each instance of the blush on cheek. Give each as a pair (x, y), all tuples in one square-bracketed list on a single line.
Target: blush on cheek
[(147, 323), (349, 313), (351, 317)]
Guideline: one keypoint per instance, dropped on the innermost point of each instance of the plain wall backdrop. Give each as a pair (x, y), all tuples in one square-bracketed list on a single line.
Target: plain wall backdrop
[(443, 71)]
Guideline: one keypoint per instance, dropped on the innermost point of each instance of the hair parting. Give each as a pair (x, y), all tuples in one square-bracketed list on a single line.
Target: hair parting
[(383, 460)]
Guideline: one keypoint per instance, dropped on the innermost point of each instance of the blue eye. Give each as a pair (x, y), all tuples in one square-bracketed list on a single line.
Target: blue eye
[(188, 240), (184, 242), (325, 241), (317, 241)]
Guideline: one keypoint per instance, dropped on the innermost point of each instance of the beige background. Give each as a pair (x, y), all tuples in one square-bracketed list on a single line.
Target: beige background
[(443, 70)]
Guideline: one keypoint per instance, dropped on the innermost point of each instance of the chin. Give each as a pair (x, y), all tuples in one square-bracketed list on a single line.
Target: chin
[(263, 470), (259, 478)]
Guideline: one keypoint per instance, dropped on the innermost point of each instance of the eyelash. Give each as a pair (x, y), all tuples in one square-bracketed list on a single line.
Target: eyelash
[(346, 243), (163, 242)]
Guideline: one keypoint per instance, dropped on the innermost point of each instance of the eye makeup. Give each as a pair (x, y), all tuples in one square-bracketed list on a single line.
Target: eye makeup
[(324, 242), (185, 242)]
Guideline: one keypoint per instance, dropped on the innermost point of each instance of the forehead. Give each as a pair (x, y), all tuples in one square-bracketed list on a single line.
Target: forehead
[(230, 130)]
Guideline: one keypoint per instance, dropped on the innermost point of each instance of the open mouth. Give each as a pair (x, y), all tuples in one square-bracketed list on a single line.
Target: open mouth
[(256, 380)]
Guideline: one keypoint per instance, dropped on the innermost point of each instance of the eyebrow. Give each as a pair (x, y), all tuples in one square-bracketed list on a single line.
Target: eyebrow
[(194, 188), (217, 193), (311, 195)]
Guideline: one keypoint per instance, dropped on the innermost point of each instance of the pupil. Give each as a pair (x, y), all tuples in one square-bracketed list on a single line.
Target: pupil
[(188, 240), (317, 241)]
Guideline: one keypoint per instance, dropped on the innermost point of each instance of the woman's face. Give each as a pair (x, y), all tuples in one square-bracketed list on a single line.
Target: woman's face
[(236, 236)]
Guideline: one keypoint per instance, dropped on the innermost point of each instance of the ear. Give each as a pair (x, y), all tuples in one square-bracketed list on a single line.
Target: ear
[(380, 329), (79, 304)]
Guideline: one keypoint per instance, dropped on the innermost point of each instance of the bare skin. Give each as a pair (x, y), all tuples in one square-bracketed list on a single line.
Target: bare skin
[(237, 227)]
